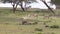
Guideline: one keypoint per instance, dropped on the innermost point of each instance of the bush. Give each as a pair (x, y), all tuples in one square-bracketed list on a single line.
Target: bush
[(52, 33), (24, 22), (35, 23), (54, 26), (7, 23), (46, 26), (37, 29), (39, 33)]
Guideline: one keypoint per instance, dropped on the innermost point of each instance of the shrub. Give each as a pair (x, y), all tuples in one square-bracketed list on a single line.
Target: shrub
[(35, 23), (24, 22), (52, 33), (37, 29), (7, 23), (54, 26), (40, 33), (46, 26)]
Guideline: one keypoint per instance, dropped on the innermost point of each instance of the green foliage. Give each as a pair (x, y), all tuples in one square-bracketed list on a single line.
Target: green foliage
[(52, 33), (57, 2), (54, 26), (37, 29), (40, 33), (46, 26)]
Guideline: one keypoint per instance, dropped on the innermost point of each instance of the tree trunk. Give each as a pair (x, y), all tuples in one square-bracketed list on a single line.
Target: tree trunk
[(25, 7), (48, 7), (13, 9), (22, 6)]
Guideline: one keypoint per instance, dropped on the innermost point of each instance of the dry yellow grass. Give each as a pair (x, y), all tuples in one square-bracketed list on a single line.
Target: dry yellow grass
[(13, 20)]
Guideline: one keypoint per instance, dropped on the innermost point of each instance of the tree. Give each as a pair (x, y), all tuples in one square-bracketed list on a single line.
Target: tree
[(57, 2), (28, 2), (15, 3), (48, 6)]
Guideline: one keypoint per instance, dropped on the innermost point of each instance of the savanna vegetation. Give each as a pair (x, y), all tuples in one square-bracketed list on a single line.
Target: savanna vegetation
[(29, 22), (16, 21)]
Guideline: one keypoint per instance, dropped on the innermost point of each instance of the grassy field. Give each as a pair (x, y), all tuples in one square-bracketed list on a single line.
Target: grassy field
[(10, 22)]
